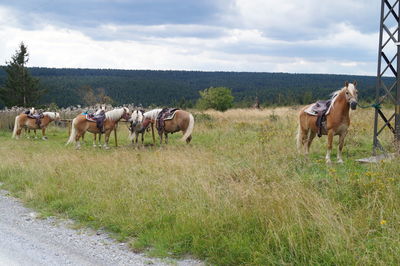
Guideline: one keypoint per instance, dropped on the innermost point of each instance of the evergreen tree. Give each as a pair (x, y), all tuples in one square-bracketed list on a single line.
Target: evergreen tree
[(20, 87)]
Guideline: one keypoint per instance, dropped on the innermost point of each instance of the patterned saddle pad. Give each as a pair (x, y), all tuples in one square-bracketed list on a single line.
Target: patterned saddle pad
[(319, 108), (165, 114)]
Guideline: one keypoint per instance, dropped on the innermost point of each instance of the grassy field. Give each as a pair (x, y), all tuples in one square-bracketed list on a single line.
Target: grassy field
[(238, 194)]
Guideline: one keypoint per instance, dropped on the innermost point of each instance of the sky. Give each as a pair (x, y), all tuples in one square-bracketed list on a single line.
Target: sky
[(295, 36)]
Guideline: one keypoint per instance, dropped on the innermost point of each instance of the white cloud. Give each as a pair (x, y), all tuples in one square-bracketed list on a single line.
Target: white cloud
[(203, 47)]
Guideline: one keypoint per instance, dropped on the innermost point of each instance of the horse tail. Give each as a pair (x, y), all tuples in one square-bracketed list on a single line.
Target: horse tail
[(189, 129), (72, 136), (16, 127)]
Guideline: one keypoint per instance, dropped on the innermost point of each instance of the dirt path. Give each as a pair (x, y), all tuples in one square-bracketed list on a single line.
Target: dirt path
[(26, 240)]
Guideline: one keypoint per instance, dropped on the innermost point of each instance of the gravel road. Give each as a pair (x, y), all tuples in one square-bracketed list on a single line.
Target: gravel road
[(27, 240)]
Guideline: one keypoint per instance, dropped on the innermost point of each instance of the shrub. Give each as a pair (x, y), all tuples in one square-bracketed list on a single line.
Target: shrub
[(219, 98)]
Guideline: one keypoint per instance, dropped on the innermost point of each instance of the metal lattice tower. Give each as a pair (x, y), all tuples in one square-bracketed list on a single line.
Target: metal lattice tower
[(388, 66)]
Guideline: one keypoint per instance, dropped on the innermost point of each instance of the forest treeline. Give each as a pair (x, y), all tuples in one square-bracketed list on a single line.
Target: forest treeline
[(181, 88)]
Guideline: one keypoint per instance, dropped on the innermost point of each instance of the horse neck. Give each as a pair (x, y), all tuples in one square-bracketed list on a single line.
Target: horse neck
[(115, 119), (46, 119), (341, 106)]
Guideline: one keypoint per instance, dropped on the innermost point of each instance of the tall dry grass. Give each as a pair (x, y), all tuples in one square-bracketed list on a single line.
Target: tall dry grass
[(238, 194)]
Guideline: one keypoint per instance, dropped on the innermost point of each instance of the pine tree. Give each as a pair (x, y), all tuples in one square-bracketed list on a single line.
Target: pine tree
[(20, 88)]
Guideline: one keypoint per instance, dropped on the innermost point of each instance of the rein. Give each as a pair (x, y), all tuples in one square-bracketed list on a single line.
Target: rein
[(375, 105)]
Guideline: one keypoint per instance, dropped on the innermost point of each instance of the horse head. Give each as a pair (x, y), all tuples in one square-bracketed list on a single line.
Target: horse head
[(351, 94), (136, 118), (126, 115)]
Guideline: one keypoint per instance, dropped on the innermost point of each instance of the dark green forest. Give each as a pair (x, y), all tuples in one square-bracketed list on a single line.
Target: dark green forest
[(181, 88)]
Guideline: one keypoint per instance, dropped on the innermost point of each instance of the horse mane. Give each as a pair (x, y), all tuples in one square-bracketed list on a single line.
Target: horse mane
[(152, 114), (52, 115), (334, 94), (116, 113)]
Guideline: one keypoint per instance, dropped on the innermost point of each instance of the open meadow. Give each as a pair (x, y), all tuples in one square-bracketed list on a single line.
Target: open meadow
[(239, 193)]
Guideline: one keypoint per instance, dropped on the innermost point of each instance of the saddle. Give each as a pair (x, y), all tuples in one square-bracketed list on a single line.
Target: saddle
[(165, 114), (37, 117), (320, 109), (97, 118)]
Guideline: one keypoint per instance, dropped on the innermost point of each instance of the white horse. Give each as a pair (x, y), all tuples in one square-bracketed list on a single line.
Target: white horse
[(136, 127)]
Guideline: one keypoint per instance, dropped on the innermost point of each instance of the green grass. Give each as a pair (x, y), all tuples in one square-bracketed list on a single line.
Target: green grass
[(238, 194)]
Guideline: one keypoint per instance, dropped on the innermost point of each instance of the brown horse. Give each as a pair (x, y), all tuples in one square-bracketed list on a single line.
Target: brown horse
[(80, 125), (337, 121), (23, 121), (181, 121)]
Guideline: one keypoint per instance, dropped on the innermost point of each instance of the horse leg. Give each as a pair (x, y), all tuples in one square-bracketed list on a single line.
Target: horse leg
[(94, 140), (341, 144), (142, 138), (18, 133), (309, 140), (152, 133), (43, 134), (330, 140), (136, 137), (77, 141), (34, 132), (166, 138), (106, 138), (99, 140), (161, 137)]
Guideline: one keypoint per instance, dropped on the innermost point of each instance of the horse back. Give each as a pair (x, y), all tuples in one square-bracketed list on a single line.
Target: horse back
[(179, 122)]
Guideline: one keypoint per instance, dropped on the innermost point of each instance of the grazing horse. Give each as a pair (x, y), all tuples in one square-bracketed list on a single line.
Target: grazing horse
[(80, 125), (181, 121), (24, 121), (136, 127), (337, 121)]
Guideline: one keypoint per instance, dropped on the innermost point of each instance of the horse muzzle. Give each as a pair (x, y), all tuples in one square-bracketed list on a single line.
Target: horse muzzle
[(353, 105)]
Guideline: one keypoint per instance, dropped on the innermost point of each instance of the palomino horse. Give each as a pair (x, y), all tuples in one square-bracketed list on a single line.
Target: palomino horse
[(136, 127), (80, 125), (23, 121), (181, 121), (337, 121)]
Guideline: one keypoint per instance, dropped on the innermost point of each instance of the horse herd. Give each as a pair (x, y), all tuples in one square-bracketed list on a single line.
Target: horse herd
[(332, 120), (179, 120)]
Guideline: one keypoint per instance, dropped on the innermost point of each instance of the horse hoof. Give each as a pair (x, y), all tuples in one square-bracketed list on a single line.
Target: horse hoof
[(106, 147), (44, 138), (328, 161), (340, 161)]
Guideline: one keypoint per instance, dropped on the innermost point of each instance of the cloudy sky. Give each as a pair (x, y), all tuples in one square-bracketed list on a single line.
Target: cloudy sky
[(296, 36)]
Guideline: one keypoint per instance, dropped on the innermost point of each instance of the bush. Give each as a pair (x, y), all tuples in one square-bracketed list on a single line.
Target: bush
[(219, 98)]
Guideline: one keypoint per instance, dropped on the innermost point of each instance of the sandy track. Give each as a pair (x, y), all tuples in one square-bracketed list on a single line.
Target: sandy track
[(26, 240)]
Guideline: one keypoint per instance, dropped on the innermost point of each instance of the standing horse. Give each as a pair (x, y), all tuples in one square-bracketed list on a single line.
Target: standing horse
[(23, 121), (181, 121), (337, 121), (80, 125), (136, 127)]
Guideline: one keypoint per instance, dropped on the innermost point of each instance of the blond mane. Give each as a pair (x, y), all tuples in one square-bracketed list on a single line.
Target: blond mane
[(116, 114), (152, 114)]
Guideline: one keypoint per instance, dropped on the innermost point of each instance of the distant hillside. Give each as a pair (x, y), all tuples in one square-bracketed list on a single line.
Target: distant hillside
[(168, 88)]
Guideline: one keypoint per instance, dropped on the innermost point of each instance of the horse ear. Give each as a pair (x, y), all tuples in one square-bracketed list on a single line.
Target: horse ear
[(355, 83), (346, 83)]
